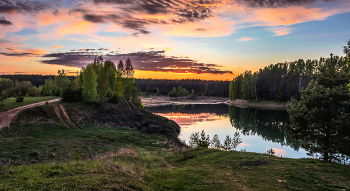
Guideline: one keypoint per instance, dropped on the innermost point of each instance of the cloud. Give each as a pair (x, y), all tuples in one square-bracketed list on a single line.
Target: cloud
[(57, 46), (26, 54), (5, 22), (245, 39), (279, 31), (277, 3), (22, 6), (292, 15), (144, 61)]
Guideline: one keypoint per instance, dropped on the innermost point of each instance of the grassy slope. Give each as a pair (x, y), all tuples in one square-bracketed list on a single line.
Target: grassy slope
[(267, 104), (10, 103), (53, 157)]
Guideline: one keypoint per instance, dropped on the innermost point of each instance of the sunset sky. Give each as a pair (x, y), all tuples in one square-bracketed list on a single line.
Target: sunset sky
[(206, 39)]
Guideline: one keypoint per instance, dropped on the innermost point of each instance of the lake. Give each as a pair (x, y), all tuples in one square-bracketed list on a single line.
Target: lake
[(260, 129)]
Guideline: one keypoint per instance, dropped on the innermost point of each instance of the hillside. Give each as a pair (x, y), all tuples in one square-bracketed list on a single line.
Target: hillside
[(102, 147)]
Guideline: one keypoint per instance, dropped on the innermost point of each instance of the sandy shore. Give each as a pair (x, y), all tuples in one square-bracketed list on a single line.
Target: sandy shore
[(154, 101)]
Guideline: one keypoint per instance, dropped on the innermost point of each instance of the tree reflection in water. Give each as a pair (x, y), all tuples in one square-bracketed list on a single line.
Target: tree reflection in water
[(269, 124)]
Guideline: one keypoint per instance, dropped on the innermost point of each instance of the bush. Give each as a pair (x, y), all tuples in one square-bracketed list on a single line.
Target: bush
[(200, 141), (20, 97), (114, 99), (72, 95)]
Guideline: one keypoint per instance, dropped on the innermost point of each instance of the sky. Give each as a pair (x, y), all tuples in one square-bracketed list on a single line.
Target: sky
[(173, 39)]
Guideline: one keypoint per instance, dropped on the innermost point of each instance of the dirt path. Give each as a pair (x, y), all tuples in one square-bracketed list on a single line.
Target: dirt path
[(165, 162), (7, 116), (57, 111), (66, 115)]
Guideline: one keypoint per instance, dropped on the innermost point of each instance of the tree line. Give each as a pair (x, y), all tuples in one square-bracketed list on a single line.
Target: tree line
[(99, 79), (281, 81), (200, 87)]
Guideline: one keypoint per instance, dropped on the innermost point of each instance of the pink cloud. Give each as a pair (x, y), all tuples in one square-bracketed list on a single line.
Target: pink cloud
[(245, 39)]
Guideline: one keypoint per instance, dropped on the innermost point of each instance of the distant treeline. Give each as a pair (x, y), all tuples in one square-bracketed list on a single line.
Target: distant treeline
[(201, 87), (36, 79), (281, 81)]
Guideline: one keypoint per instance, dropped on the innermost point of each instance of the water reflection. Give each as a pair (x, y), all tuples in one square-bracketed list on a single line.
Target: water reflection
[(261, 129), (268, 124)]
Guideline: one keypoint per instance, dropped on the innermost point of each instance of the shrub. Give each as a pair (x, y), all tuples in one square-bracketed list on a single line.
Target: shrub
[(200, 141), (114, 99), (215, 142), (72, 95), (270, 152), (20, 97)]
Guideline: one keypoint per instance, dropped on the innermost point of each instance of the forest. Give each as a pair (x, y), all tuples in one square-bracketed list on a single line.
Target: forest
[(149, 86), (99, 79), (281, 81)]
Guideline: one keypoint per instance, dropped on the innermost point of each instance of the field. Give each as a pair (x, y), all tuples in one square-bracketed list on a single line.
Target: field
[(54, 157), (10, 103)]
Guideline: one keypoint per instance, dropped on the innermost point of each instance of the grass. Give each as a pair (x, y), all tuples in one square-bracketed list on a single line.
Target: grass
[(10, 103), (267, 104), (53, 157)]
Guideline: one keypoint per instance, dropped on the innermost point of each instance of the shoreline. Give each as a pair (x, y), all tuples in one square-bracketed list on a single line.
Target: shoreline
[(155, 101)]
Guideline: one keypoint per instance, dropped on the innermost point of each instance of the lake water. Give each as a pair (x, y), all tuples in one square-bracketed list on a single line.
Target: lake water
[(260, 130)]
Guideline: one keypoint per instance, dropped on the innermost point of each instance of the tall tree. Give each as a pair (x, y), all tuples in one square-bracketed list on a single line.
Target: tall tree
[(129, 69), (89, 84), (322, 116)]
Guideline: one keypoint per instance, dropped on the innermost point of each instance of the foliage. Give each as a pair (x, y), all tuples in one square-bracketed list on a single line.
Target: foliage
[(270, 152), (227, 143), (20, 97), (199, 140), (193, 95), (215, 142), (322, 116), (89, 85), (72, 95), (280, 82), (165, 86), (61, 82), (203, 141), (236, 140)]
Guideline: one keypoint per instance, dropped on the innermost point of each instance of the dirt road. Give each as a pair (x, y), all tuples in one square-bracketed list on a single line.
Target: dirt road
[(7, 116)]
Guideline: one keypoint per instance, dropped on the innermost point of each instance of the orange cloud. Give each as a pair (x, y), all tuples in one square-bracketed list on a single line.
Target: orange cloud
[(279, 152), (57, 46), (292, 15), (279, 31), (245, 39), (211, 27)]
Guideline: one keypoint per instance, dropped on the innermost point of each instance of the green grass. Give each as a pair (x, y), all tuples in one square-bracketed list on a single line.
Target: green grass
[(271, 105), (53, 157), (10, 103)]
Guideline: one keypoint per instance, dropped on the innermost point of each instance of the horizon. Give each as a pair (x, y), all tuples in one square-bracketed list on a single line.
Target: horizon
[(211, 40)]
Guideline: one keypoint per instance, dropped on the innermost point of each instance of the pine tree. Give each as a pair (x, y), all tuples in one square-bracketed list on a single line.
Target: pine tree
[(322, 116), (90, 85), (120, 68), (129, 69)]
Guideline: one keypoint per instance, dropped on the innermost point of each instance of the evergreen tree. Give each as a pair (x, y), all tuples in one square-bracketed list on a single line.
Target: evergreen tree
[(322, 116), (61, 80), (129, 69), (120, 69), (90, 85)]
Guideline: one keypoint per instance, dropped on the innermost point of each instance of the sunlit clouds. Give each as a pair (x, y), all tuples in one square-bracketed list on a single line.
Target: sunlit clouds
[(45, 32)]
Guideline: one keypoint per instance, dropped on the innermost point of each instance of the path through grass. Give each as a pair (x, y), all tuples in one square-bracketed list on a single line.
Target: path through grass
[(10, 103)]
